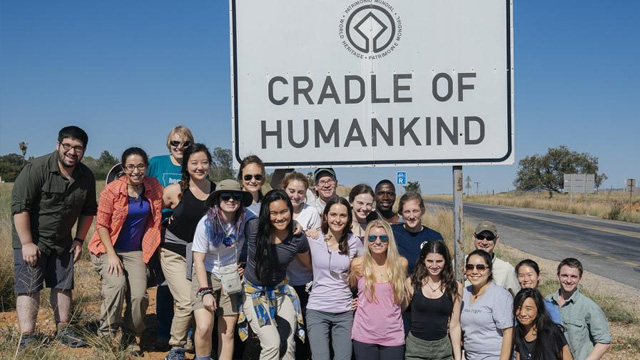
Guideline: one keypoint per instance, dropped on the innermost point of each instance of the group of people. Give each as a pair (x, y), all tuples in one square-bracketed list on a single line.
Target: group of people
[(304, 272)]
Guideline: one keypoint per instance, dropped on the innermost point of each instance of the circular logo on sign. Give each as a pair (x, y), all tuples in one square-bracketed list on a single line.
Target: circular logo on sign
[(370, 31)]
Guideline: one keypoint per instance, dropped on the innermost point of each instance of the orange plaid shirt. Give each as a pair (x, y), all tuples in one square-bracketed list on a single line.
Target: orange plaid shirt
[(113, 209)]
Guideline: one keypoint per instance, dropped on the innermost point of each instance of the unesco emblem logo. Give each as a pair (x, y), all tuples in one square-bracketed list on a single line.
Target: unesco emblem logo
[(370, 29)]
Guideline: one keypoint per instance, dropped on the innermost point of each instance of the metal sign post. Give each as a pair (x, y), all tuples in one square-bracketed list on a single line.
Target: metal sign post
[(631, 183), (458, 233)]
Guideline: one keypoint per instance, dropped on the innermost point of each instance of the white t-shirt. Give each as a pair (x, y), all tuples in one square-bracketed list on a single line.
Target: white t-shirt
[(297, 273), (215, 256)]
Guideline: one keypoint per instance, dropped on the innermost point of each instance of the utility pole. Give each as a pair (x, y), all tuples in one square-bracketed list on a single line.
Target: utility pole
[(477, 183), (468, 180)]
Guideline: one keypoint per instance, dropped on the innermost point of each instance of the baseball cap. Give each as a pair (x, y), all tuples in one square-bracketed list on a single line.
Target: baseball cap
[(487, 226), (319, 172)]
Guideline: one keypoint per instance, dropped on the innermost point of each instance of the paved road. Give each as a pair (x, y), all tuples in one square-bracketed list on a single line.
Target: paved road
[(605, 247)]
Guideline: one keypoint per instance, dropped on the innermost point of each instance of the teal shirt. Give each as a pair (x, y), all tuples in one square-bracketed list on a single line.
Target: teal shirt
[(584, 323), (161, 168)]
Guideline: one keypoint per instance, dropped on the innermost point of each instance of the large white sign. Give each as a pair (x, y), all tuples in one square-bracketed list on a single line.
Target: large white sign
[(361, 82)]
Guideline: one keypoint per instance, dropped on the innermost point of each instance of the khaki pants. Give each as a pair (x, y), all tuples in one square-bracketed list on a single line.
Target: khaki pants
[(271, 336), (130, 287), (174, 267)]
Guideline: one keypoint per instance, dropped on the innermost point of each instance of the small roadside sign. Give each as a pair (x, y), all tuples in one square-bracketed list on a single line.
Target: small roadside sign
[(401, 178)]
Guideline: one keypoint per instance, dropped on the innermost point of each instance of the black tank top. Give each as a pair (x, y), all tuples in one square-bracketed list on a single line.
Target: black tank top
[(430, 317), (186, 216)]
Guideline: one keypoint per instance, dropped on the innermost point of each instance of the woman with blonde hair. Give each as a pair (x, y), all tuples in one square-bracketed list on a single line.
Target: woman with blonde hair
[(380, 277)]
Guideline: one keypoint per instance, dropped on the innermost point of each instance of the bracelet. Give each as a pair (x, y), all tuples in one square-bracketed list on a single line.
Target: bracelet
[(204, 291), (81, 241)]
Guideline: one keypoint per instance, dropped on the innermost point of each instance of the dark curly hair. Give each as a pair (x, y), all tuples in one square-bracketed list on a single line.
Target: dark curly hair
[(420, 274)]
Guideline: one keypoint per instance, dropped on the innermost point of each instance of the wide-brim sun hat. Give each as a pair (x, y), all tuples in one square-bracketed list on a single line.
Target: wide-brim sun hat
[(229, 186)]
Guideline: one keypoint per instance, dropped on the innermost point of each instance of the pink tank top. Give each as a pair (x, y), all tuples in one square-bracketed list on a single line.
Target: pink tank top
[(378, 322)]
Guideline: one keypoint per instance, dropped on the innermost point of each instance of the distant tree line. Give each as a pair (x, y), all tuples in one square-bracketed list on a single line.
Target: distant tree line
[(11, 164)]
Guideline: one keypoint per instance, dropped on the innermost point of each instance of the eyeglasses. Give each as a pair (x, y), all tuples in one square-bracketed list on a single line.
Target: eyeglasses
[(68, 147), (383, 238), (326, 182), (228, 196), (479, 267), (131, 167), (176, 143), (248, 177), (482, 237)]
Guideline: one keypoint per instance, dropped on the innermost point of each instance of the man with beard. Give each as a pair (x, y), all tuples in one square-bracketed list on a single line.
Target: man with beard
[(49, 195), (385, 199)]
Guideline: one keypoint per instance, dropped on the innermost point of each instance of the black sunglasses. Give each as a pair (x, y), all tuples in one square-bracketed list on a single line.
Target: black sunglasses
[(228, 196), (248, 177), (176, 143), (482, 237), (480, 267), (383, 238)]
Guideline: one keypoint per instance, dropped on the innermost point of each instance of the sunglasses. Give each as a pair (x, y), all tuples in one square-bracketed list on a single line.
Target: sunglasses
[(248, 177), (383, 238), (229, 196), (479, 267), (176, 143), (482, 237)]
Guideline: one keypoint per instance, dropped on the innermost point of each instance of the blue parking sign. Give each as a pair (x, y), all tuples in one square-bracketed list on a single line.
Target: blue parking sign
[(401, 178)]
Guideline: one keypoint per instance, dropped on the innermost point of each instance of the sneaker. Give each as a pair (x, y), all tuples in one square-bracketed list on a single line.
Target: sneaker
[(131, 345), (175, 354), (27, 340), (190, 346), (70, 338)]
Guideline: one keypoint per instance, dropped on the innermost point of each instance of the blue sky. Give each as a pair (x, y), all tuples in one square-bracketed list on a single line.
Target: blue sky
[(128, 71)]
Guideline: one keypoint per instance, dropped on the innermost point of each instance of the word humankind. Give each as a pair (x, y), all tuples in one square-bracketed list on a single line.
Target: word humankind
[(391, 131)]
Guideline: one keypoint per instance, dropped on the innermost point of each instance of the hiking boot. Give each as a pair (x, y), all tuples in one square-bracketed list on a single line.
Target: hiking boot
[(190, 346), (70, 338), (175, 354), (131, 345), (27, 340)]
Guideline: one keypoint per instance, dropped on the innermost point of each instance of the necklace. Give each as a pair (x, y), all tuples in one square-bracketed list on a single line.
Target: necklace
[(432, 289)]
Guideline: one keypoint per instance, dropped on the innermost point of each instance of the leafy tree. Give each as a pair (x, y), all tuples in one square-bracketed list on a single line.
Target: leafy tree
[(10, 166), (101, 165), (547, 171), (412, 186), (23, 147), (221, 168)]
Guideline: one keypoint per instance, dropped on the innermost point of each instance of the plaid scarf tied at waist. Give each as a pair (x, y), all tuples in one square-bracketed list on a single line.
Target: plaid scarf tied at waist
[(265, 305)]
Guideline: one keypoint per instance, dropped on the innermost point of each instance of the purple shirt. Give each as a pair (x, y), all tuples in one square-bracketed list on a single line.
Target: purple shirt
[(130, 238), (330, 291)]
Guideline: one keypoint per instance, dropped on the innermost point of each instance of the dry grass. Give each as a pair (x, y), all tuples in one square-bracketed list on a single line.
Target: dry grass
[(614, 205)]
